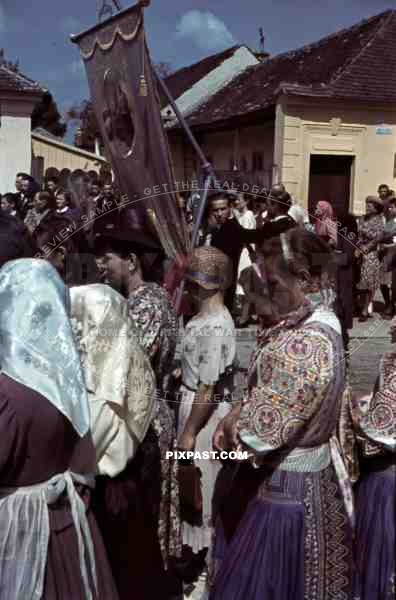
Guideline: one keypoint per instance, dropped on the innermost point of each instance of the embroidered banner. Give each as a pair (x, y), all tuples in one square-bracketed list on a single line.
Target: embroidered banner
[(125, 100)]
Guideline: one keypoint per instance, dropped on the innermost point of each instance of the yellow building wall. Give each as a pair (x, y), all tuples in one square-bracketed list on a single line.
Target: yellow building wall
[(303, 129), (222, 146), (62, 158)]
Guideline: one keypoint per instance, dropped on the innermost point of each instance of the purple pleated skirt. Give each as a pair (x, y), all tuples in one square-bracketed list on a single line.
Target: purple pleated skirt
[(293, 542), (266, 558), (376, 535)]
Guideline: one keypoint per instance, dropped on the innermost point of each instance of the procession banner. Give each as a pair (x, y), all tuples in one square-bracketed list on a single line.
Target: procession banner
[(125, 100)]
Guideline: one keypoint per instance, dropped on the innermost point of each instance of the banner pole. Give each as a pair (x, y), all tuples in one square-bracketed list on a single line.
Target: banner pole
[(207, 169), (206, 166)]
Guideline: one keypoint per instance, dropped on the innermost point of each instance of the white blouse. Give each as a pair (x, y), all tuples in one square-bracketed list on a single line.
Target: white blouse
[(209, 349)]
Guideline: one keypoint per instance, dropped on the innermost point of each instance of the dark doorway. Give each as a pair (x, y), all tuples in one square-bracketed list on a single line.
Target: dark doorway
[(330, 179)]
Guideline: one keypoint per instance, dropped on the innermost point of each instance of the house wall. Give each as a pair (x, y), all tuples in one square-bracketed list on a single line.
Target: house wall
[(223, 147), (15, 153), (304, 128), (62, 157)]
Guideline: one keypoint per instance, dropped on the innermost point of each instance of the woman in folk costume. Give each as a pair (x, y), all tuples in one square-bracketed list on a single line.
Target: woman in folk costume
[(208, 356), (127, 268), (50, 546), (375, 422), (120, 385), (285, 521)]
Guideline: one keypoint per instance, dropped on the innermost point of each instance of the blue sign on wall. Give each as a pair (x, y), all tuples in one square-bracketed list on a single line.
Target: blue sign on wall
[(384, 130)]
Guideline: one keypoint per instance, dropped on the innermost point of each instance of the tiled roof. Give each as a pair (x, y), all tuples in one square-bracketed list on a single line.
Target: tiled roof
[(12, 81), (358, 63), (185, 78)]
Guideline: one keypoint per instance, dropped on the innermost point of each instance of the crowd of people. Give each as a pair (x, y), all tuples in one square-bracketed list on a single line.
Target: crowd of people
[(133, 460)]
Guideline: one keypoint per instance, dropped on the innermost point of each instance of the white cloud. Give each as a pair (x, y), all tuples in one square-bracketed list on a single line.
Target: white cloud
[(71, 25), (207, 31)]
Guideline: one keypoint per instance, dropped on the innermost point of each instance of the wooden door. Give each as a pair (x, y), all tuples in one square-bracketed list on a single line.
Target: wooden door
[(330, 179)]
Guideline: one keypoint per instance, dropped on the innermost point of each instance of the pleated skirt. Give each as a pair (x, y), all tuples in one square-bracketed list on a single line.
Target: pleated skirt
[(293, 541), (376, 536)]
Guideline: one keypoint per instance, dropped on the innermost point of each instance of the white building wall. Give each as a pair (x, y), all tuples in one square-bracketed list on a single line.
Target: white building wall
[(15, 150), (15, 141)]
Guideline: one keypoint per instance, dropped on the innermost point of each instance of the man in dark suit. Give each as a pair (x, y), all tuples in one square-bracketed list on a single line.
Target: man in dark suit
[(25, 195), (225, 233)]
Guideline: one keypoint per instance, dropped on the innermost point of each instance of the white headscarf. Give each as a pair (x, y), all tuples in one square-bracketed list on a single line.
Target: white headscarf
[(37, 348), (118, 375)]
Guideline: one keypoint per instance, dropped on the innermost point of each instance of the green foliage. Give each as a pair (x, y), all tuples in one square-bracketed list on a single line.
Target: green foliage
[(46, 115)]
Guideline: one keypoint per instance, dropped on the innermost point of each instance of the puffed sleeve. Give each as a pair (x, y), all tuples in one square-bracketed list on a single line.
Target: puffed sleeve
[(216, 353), (114, 443), (291, 384), (376, 420), (11, 442)]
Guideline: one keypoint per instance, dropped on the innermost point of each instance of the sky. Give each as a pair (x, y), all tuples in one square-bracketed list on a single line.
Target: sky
[(179, 32)]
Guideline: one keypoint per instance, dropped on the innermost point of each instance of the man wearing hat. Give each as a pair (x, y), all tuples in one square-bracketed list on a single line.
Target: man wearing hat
[(225, 233), (125, 251)]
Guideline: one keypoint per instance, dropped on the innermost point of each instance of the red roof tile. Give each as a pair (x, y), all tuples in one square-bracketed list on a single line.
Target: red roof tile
[(13, 81), (358, 63)]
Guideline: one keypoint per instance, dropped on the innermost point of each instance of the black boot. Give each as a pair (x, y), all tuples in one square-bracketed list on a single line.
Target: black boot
[(364, 302)]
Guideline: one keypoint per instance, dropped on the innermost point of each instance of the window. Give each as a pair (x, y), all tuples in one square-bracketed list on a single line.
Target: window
[(244, 165), (257, 161)]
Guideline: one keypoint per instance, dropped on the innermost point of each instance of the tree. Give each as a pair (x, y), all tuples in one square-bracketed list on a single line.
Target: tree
[(46, 114), (88, 130)]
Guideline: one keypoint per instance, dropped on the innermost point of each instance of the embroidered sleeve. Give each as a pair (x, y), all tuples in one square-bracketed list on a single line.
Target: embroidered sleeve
[(293, 376), (377, 421)]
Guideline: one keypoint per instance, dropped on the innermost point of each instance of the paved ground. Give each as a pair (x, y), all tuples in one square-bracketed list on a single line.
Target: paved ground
[(368, 343)]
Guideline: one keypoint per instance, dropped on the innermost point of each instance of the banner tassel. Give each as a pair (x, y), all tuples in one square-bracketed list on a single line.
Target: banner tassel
[(143, 89)]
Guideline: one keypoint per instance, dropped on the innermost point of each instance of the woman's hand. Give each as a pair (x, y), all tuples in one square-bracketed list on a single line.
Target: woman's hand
[(225, 437), (187, 441)]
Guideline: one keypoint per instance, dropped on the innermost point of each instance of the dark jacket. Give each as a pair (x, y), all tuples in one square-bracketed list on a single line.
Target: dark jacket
[(231, 238), (15, 241), (347, 238)]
